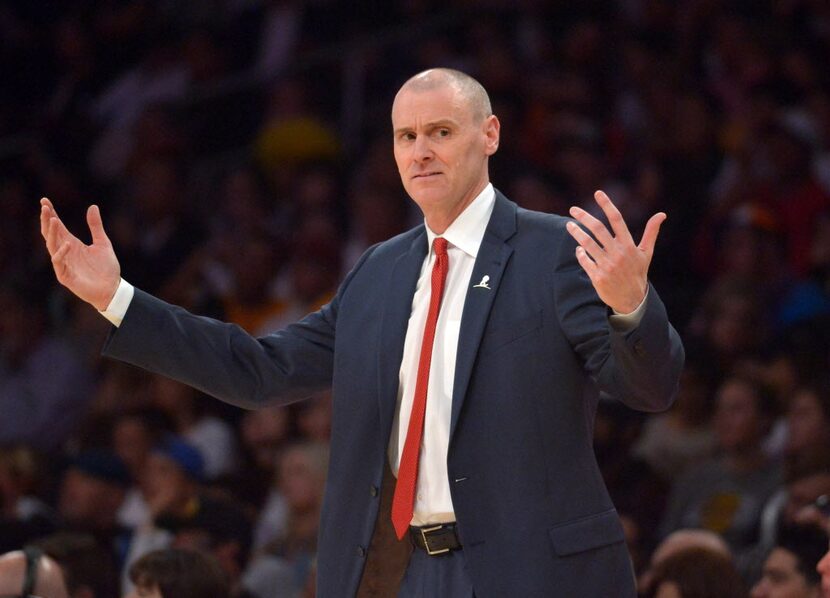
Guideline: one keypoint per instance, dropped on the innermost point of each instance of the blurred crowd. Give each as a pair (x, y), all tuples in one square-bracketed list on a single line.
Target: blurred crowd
[(240, 151)]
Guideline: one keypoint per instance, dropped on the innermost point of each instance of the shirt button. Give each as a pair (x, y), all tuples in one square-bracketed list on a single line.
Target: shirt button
[(373, 491), (361, 552)]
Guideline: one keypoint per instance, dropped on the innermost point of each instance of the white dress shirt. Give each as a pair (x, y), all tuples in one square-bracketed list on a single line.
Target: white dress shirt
[(432, 492), (433, 503)]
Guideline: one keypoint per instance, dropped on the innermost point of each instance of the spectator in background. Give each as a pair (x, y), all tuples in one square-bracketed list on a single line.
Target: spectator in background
[(683, 437), (251, 299), (696, 573), (176, 573), (171, 485), (728, 327), (23, 516), (135, 433), (727, 493), (221, 529), (808, 423), (91, 493), (783, 511), (288, 563), (39, 410), (677, 542), (45, 579), (89, 570), (152, 225), (211, 436), (790, 569)]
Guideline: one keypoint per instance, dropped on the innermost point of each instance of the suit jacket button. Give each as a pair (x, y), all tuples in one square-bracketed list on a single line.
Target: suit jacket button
[(361, 552), (639, 349), (373, 491)]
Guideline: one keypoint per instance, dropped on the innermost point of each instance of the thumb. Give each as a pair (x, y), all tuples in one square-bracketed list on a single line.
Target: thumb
[(650, 233), (96, 226)]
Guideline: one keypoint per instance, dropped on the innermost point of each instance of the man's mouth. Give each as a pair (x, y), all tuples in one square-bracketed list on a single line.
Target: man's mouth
[(424, 175)]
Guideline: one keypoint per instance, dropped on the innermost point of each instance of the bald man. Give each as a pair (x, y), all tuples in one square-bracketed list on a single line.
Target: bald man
[(34, 574), (466, 356)]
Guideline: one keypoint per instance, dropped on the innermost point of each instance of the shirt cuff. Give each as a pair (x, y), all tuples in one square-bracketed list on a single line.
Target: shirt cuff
[(117, 308), (626, 322)]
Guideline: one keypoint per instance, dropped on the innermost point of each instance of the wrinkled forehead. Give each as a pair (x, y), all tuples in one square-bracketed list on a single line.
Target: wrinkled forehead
[(417, 105)]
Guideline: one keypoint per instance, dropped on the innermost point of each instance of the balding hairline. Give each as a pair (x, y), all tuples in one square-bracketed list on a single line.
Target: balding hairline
[(471, 89)]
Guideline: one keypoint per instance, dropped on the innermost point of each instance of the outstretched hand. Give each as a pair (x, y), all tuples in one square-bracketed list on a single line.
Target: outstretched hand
[(91, 271), (617, 267)]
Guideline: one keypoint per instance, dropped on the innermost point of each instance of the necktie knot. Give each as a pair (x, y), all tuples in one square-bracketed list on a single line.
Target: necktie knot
[(439, 245)]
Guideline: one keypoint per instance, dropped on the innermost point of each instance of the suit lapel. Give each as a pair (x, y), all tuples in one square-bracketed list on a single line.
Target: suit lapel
[(491, 261), (400, 289)]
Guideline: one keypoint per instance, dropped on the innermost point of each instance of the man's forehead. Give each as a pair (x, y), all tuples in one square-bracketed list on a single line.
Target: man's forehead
[(433, 104)]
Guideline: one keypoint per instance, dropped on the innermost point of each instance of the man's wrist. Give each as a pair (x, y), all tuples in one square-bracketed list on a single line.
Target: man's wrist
[(630, 320), (117, 307)]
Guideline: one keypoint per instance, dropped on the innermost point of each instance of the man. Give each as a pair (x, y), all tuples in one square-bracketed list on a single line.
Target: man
[(677, 542), (30, 572), (790, 569), (466, 353), (88, 569), (90, 496)]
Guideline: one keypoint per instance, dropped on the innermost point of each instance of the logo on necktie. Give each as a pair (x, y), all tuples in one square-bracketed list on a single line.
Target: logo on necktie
[(483, 284)]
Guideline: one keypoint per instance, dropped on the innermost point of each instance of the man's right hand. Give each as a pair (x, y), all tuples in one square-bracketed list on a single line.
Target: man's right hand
[(91, 271)]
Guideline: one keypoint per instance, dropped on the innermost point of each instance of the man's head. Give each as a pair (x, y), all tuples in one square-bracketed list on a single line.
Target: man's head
[(177, 573), (444, 133), (92, 490), (33, 572), (790, 568), (89, 569), (678, 542), (172, 476)]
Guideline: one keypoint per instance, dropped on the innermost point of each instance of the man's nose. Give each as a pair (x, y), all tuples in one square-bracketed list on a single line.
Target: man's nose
[(422, 149)]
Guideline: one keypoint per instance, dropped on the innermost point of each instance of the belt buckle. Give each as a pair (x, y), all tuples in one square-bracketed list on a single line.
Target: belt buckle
[(424, 531)]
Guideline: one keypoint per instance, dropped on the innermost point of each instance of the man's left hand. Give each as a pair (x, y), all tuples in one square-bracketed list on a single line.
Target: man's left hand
[(617, 267)]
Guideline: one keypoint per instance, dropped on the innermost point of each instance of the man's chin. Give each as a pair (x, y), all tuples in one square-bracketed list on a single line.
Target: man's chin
[(424, 195)]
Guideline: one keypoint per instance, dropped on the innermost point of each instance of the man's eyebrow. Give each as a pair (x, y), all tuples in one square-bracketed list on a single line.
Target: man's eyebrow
[(444, 122)]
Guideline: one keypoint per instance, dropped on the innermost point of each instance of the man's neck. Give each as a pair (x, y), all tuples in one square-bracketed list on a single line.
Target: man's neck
[(439, 222)]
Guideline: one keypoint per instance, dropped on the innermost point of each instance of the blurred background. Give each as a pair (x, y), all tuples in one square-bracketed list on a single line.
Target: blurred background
[(220, 136)]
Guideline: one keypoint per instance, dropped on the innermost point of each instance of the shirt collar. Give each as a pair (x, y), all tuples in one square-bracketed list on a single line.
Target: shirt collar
[(467, 230)]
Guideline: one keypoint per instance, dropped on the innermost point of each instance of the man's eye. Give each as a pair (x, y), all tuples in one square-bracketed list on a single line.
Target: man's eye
[(444, 132)]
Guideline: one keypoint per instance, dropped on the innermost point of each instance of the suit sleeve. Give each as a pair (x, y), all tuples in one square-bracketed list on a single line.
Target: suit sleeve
[(641, 366), (222, 359)]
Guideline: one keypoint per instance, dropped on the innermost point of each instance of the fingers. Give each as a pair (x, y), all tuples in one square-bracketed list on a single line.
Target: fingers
[(46, 212), (650, 233), (96, 226), (586, 262), (615, 219), (57, 234), (586, 242), (58, 262), (595, 226)]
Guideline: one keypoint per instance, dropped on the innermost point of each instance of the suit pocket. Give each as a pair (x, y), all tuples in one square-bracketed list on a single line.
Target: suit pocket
[(505, 333), (586, 533)]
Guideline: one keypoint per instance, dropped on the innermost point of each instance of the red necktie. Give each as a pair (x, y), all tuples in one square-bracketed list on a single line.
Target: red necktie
[(404, 498)]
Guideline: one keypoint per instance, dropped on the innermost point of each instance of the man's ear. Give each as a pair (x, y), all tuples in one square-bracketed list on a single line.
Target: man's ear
[(492, 130)]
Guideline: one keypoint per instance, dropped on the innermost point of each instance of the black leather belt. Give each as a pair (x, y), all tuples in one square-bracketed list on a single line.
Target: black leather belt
[(435, 539)]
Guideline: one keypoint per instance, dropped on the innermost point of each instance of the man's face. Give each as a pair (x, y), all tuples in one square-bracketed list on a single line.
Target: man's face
[(87, 500), (782, 579), (441, 148)]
